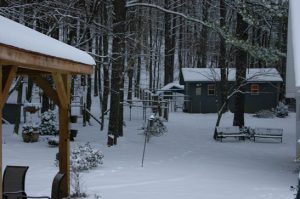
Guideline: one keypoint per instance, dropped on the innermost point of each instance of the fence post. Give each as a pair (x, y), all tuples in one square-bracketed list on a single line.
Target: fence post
[(84, 114), (298, 190), (166, 110)]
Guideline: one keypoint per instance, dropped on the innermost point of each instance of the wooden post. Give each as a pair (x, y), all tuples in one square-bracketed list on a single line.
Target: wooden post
[(155, 104), (5, 83), (8, 79), (84, 115), (64, 149), (63, 84)]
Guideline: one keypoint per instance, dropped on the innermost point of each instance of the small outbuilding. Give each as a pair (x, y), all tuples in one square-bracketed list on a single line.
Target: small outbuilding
[(200, 84), (173, 87)]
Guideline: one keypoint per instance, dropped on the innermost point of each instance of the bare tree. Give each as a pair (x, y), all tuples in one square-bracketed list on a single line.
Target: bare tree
[(118, 50)]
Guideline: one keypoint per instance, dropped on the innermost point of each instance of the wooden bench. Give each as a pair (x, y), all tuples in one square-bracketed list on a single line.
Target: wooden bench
[(232, 131), (274, 133)]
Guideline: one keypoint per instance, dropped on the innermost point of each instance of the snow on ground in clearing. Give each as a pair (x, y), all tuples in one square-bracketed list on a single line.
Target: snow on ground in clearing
[(184, 163)]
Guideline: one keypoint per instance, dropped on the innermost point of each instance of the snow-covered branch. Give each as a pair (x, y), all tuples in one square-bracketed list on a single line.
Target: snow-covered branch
[(267, 54)]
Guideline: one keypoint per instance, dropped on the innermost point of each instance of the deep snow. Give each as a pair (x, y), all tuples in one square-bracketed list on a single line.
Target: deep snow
[(184, 163)]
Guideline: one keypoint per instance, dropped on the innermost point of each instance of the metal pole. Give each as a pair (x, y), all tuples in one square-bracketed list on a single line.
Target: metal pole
[(130, 113), (144, 150)]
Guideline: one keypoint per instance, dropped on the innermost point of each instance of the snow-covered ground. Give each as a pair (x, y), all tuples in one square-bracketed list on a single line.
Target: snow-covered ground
[(184, 163)]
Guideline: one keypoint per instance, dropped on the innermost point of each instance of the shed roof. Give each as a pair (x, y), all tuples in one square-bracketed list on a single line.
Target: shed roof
[(213, 74), (22, 46), (173, 86)]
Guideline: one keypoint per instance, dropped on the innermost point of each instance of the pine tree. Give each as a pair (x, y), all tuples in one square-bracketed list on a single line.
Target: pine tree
[(48, 123)]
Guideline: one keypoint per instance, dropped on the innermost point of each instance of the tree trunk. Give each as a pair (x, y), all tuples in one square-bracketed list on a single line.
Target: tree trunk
[(241, 66), (19, 101), (169, 50), (96, 81), (45, 103), (88, 98), (29, 90), (139, 61), (130, 81), (204, 35), (121, 109), (138, 75), (222, 92), (117, 66), (105, 67)]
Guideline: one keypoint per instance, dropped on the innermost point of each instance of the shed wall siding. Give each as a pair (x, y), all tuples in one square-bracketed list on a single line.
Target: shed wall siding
[(265, 100)]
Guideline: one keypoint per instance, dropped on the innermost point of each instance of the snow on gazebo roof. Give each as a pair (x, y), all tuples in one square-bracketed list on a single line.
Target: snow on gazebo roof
[(21, 37), (213, 74)]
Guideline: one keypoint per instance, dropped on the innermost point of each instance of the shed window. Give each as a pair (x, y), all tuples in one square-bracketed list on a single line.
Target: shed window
[(211, 89), (254, 89)]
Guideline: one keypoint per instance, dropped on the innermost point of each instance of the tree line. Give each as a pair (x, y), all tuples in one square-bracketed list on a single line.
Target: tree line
[(144, 43)]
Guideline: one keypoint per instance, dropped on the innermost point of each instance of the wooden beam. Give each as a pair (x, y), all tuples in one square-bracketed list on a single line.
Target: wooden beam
[(46, 87), (30, 72), (64, 149), (61, 90), (1, 155), (6, 83), (10, 55), (64, 134)]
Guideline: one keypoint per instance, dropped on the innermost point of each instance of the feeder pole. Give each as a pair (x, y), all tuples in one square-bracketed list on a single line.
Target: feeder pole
[(144, 150)]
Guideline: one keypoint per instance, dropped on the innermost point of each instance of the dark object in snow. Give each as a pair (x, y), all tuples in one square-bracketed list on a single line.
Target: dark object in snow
[(264, 114), (76, 195), (30, 137), (14, 182), (73, 134), (53, 141), (30, 132), (73, 118)]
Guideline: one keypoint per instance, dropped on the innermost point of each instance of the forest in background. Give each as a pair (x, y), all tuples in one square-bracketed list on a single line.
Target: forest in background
[(144, 43)]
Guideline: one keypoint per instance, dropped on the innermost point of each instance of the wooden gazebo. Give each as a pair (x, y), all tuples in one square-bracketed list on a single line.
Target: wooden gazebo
[(24, 51)]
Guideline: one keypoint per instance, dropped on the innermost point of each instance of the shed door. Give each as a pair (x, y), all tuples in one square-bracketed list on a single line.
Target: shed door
[(196, 104)]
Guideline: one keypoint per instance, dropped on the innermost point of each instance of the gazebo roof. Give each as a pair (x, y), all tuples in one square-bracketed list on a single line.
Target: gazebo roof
[(24, 51), (27, 48)]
